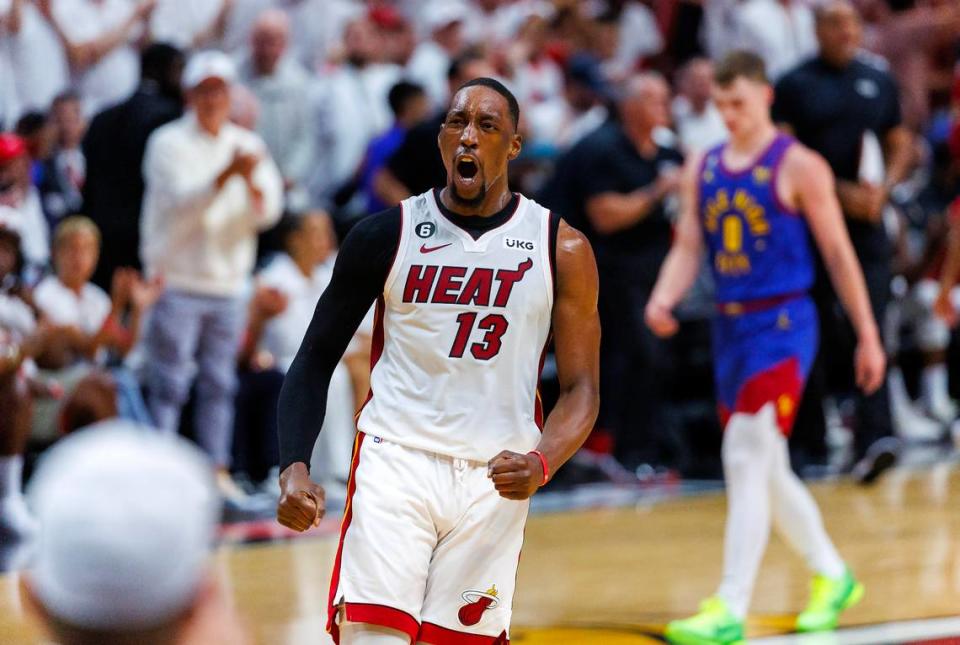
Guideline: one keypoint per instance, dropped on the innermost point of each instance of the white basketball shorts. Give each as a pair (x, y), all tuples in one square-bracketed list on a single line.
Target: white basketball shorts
[(427, 547)]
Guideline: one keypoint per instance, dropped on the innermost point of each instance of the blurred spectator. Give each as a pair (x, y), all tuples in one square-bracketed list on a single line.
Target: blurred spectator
[(538, 79), (781, 32), (61, 189), (490, 22), (397, 37), (410, 106), (40, 134), (349, 108), (210, 186), (114, 146), (18, 193), (416, 166), (637, 37), (101, 38), (37, 57), (847, 110), (583, 108), (913, 37), (17, 324), (720, 27), (281, 85), (87, 582), (89, 326), (244, 107), (190, 25), (444, 21), (286, 294), (699, 125), (317, 29), (615, 182)]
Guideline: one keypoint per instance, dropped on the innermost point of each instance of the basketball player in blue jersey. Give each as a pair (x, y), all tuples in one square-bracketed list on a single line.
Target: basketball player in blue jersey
[(469, 281), (753, 204)]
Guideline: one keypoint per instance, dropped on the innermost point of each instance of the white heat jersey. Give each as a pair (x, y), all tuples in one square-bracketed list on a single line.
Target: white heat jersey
[(460, 334)]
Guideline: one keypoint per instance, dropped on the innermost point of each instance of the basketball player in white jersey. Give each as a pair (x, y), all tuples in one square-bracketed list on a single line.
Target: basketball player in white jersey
[(469, 281)]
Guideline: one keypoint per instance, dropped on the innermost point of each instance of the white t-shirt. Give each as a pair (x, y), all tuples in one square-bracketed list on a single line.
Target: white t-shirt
[(114, 76), (349, 109), (62, 306), (179, 23), (698, 132), (783, 36), (38, 60), (32, 225), (429, 66), (284, 332)]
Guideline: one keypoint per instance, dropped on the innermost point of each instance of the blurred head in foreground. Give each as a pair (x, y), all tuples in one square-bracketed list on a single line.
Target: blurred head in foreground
[(127, 520)]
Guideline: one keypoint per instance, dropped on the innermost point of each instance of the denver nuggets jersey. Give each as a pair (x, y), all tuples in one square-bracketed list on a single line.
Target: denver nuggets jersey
[(460, 334), (759, 248)]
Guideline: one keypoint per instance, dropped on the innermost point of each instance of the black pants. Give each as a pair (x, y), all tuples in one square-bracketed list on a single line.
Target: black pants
[(833, 370), (255, 442), (633, 362)]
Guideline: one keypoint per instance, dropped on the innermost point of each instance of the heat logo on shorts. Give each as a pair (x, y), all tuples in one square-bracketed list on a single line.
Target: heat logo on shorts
[(477, 603)]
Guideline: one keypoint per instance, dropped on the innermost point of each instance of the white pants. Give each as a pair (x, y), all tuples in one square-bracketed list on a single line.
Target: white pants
[(761, 484), (428, 547)]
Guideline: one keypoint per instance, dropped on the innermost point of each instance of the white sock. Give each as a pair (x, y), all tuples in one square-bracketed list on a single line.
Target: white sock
[(746, 465), (898, 389), (365, 634), (797, 518), (933, 384), (11, 473)]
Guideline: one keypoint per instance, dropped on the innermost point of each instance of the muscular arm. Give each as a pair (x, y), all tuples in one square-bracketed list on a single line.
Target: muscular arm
[(576, 328), (576, 332), (812, 186), (682, 264)]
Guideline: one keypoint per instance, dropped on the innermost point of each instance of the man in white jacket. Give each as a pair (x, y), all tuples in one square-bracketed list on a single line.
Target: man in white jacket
[(210, 186)]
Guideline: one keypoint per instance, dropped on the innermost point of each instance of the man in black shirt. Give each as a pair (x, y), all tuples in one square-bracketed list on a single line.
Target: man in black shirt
[(613, 184), (837, 104), (113, 147)]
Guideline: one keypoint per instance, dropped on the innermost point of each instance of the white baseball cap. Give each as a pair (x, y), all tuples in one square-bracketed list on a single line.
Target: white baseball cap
[(208, 64), (127, 520)]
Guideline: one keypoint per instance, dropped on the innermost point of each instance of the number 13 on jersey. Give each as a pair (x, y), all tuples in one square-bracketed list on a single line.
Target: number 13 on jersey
[(489, 346)]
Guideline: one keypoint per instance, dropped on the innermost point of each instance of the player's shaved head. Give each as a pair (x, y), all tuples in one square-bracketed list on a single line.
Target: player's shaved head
[(512, 105)]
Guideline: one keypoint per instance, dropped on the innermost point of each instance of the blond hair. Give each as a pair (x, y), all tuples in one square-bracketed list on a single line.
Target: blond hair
[(73, 225)]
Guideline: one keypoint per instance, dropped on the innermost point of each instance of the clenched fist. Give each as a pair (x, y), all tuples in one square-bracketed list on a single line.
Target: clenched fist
[(515, 476), (302, 501)]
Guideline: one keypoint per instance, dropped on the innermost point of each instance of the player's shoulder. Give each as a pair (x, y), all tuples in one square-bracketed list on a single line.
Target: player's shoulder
[(805, 169), (381, 227), (572, 243)]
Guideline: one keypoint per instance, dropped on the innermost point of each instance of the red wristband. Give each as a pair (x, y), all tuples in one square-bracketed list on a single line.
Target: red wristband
[(543, 463)]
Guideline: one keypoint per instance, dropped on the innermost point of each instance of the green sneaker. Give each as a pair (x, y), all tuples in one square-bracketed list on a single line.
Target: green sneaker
[(714, 625), (829, 597)]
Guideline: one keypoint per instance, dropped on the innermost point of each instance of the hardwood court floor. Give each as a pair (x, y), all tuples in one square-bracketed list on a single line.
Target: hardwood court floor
[(617, 575)]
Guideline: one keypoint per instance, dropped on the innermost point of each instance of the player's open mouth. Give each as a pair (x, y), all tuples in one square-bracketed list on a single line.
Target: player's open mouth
[(467, 169)]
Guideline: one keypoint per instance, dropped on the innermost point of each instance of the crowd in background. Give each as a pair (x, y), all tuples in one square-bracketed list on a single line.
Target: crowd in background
[(174, 178)]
